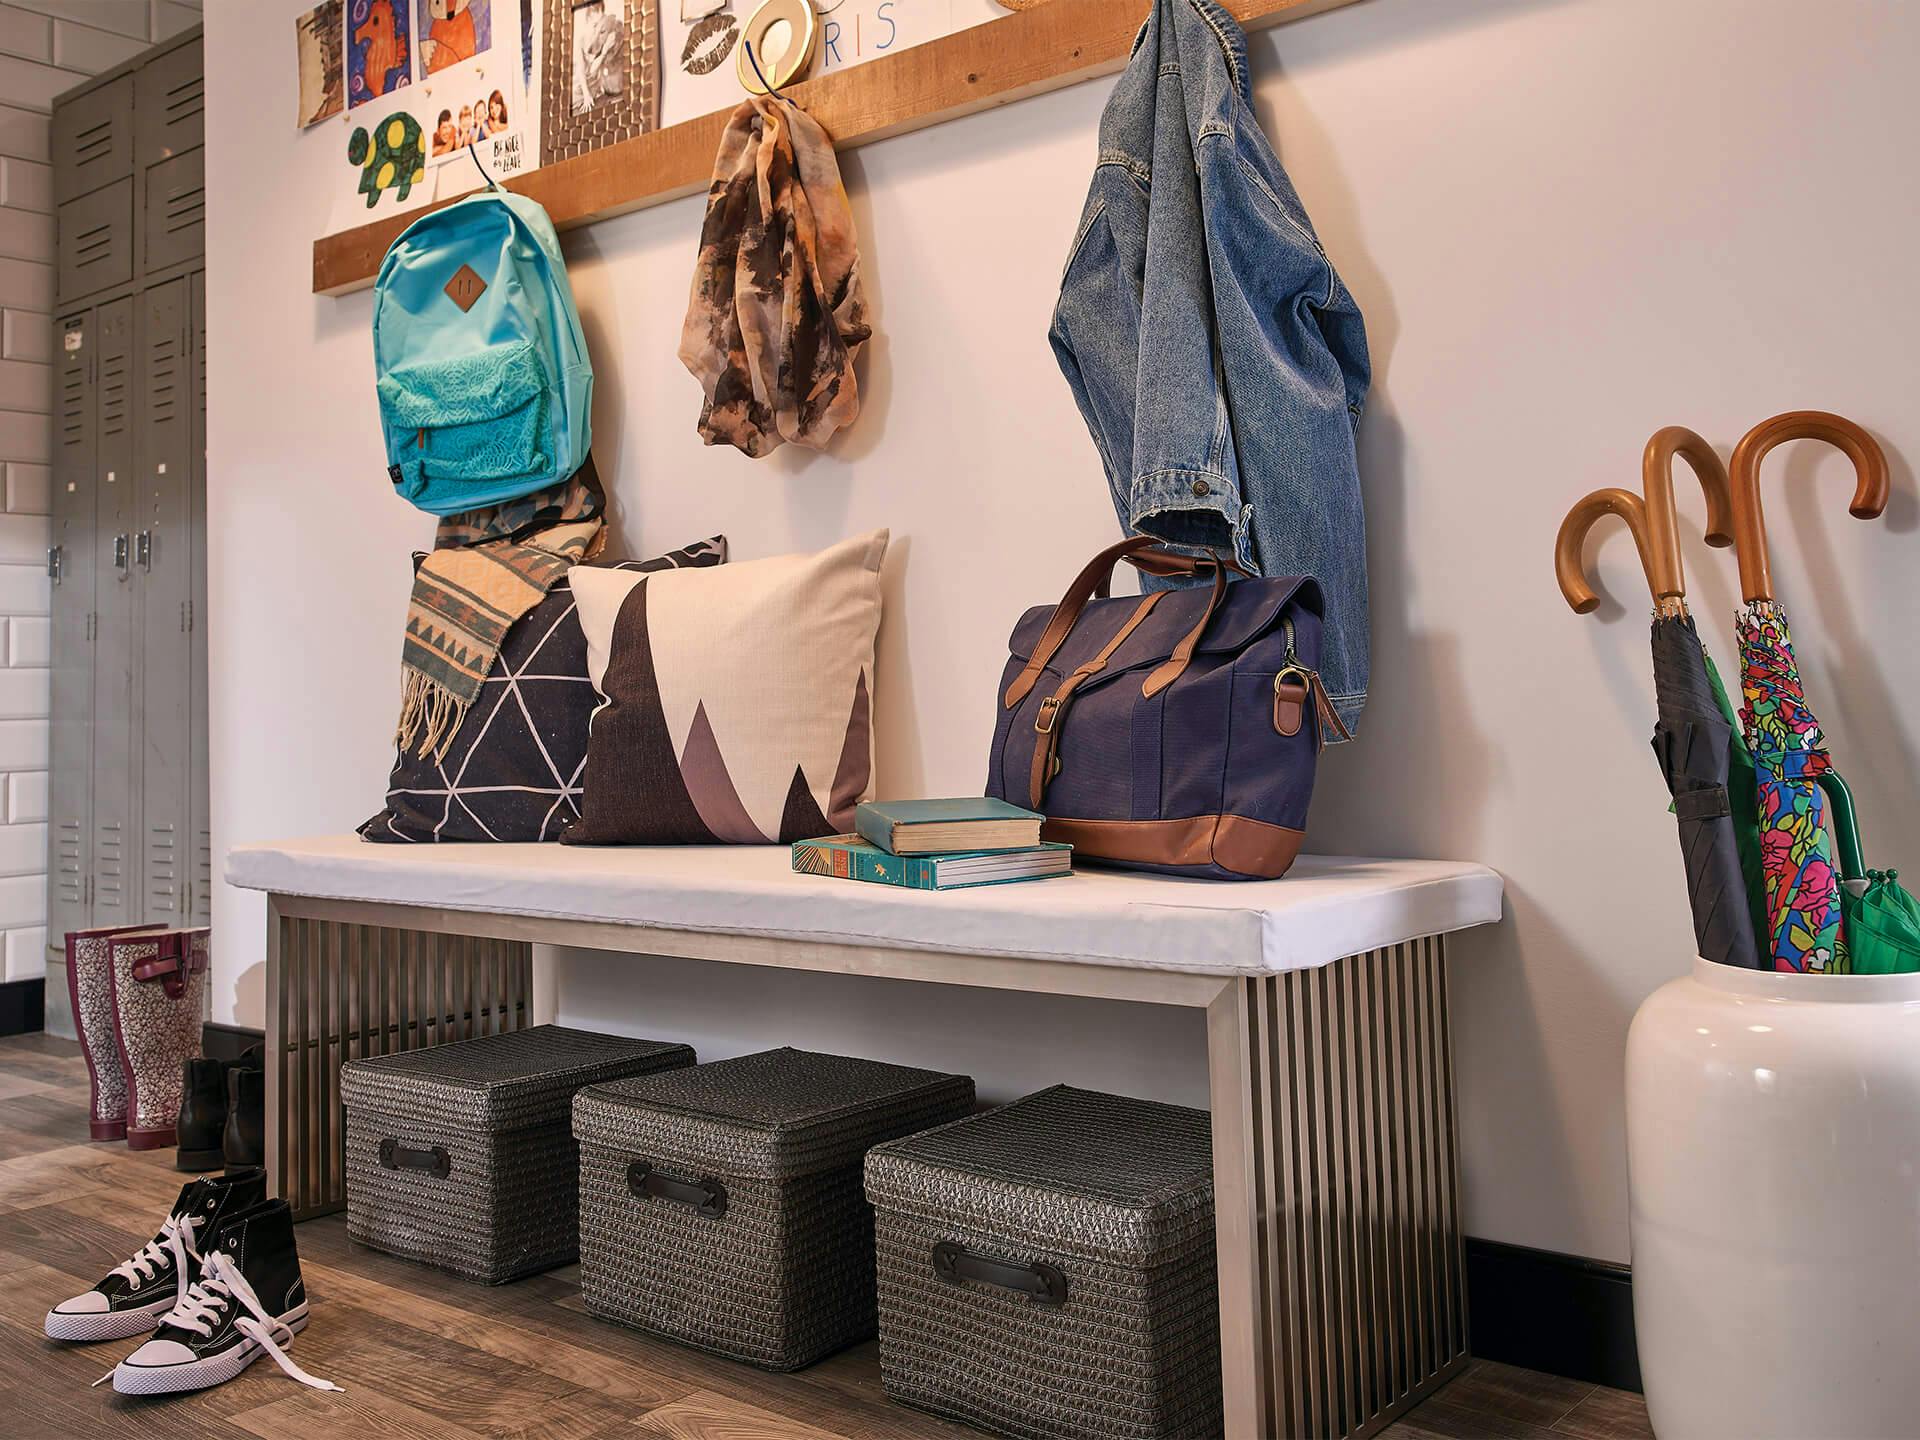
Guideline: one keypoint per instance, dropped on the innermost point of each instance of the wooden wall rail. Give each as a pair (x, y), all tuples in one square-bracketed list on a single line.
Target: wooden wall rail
[(1029, 52)]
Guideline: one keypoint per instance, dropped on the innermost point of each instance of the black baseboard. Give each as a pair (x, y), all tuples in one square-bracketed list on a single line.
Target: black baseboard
[(1542, 1310), (23, 1006), (225, 1042)]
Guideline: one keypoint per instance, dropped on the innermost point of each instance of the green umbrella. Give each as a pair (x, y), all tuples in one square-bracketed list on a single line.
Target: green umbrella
[(1881, 920)]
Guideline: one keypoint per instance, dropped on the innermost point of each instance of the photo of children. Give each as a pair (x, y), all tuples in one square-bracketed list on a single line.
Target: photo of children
[(446, 138), (452, 31)]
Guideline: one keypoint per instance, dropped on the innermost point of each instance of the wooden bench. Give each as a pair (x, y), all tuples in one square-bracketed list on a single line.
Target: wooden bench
[(1342, 1287)]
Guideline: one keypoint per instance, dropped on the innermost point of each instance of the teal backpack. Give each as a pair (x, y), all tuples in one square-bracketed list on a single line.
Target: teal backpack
[(484, 380)]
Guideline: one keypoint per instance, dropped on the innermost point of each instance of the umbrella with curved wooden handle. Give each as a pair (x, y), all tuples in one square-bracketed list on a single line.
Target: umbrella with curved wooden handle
[(1695, 738), (1749, 521), (1800, 871), (1652, 519)]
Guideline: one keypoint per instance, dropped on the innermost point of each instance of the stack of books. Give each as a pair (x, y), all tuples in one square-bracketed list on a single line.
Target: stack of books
[(937, 845)]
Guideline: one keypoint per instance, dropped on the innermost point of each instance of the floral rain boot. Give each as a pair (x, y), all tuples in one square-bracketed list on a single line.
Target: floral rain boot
[(90, 987), (159, 999)]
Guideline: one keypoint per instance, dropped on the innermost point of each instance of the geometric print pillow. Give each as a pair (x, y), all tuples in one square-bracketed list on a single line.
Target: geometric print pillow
[(735, 702), (515, 766)]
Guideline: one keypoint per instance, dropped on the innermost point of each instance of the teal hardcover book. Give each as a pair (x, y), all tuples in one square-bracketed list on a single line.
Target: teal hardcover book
[(926, 827), (849, 857)]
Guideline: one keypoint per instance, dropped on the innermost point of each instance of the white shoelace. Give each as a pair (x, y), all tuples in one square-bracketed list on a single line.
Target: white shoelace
[(176, 1239), (201, 1309)]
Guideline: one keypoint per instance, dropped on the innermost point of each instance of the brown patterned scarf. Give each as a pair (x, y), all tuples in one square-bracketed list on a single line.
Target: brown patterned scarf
[(776, 313), (487, 569)]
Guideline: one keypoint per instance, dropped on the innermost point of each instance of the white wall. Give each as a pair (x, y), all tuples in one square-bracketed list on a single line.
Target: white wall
[(46, 46), (1568, 224)]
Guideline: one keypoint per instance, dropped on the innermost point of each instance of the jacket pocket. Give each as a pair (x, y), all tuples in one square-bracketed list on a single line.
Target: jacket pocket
[(481, 416)]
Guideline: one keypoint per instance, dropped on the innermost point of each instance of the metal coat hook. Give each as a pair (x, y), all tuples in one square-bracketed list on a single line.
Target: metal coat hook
[(473, 149), (766, 86)]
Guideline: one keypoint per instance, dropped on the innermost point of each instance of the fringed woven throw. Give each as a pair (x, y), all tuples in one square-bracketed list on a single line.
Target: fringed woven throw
[(776, 313), (487, 569)]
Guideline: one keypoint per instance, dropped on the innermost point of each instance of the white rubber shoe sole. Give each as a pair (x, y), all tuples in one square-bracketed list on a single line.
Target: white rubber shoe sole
[(107, 1324), (129, 1379)]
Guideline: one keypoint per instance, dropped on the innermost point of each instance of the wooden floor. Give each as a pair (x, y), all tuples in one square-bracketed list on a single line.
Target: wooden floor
[(425, 1355)]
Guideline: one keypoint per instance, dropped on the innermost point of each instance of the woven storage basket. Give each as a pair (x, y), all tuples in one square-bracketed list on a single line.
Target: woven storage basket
[(723, 1206), (1047, 1269), (461, 1155)]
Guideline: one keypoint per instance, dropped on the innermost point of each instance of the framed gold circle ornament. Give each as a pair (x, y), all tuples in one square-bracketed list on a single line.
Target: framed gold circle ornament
[(783, 34)]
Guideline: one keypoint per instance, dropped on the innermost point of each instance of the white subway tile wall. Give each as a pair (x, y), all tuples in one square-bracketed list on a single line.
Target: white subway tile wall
[(46, 46)]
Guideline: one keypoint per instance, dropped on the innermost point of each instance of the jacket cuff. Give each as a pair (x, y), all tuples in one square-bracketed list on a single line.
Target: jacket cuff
[(1194, 510)]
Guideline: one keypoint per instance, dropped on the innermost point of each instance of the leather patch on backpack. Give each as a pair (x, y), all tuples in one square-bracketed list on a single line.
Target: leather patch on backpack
[(465, 287)]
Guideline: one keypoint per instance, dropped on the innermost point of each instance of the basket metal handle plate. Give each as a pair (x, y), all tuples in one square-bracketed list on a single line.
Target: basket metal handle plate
[(1040, 1282), (434, 1160), (706, 1196)]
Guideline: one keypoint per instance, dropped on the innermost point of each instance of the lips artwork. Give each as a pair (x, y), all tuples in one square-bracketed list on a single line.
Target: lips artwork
[(709, 43)]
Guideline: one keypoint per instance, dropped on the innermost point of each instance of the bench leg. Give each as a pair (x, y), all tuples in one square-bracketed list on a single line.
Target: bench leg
[(339, 991), (1342, 1280)]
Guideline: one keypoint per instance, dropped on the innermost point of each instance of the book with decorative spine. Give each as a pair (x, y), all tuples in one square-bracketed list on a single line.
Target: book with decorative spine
[(968, 825), (849, 857)]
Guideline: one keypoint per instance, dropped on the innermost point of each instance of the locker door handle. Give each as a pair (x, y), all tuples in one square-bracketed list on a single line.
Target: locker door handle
[(120, 555), (143, 550), (56, 562)]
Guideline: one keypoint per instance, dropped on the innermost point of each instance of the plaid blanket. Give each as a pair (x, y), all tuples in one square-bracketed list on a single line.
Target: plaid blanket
[(487, 569)]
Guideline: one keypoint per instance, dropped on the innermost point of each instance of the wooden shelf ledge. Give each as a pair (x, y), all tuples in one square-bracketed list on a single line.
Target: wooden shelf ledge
[(1029, 52)]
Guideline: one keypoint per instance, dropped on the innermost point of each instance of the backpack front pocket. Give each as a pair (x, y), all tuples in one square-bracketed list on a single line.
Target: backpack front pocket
[(481, 416)]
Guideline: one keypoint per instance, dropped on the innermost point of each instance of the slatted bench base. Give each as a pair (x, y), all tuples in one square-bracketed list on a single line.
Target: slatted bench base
[(339, 992), (1342, 1282)]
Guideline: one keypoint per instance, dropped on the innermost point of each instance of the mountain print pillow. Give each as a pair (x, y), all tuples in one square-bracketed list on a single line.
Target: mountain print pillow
[(512, 771), (736, 703)]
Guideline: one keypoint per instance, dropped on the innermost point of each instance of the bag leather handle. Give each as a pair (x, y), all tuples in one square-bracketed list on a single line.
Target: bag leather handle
[(1040, 1282), (433, 1160), (1145, 554), (705, 1197)]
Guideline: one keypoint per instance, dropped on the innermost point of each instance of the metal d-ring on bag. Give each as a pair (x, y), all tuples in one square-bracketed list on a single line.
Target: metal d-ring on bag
[(1178, 730)]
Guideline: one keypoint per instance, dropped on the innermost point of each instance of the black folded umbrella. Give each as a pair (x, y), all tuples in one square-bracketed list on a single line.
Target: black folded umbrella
[(1694, 743)]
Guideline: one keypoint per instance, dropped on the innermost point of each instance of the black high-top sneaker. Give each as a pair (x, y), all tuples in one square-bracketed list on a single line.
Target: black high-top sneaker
[(249, 1299), (133, 1296)]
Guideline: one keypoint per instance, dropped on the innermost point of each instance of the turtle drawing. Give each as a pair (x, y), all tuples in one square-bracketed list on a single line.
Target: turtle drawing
[(392, 158)]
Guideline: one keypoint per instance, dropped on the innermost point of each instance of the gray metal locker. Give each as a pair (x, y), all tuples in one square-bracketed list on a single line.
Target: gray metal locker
[(169, 94), (175, 222), (95, 241), (199, 791), (92, 139), (115, 855), (71, 568), (163, 562), (129, 822)]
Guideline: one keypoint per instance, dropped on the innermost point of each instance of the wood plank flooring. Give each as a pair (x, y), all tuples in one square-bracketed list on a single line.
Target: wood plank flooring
[(425, 1355)]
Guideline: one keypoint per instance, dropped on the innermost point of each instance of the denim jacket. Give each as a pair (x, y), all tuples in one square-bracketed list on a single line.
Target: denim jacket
[(1218, 360)]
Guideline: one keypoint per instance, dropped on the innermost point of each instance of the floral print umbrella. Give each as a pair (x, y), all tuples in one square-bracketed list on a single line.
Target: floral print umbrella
[(1790, 755), (1798, 865)]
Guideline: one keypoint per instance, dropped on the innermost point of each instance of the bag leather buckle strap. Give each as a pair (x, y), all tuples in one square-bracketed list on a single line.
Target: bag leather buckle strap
[(1046, 724), (1040, 1282), (432, 1160)]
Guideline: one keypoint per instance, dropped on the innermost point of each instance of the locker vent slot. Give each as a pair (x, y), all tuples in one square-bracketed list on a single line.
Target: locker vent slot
[(69, 878), (185, 209), (163, 882), (114, 394)]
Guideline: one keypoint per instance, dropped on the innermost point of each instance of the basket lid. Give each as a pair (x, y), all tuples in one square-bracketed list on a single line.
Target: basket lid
[(501, 1082), (1074, 1172), (771, 1116)]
